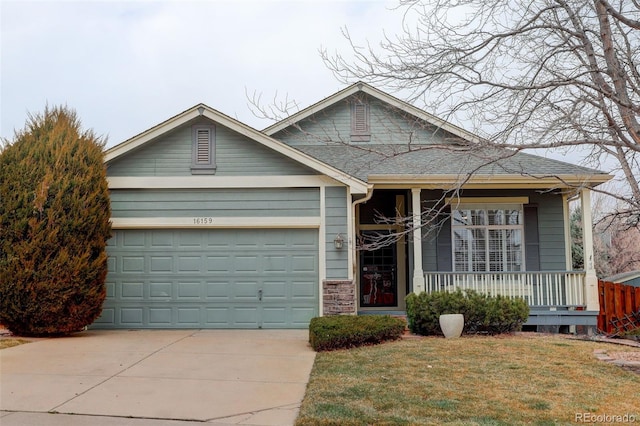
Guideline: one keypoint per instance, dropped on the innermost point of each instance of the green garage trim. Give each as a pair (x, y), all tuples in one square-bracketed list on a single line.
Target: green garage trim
[(211, 278)]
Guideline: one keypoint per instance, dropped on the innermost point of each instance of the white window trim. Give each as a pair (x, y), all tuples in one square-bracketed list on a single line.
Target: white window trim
[(476, 204)]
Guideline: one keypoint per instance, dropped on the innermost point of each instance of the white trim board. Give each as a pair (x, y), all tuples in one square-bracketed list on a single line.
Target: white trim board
[(213, 181), (195, 222)]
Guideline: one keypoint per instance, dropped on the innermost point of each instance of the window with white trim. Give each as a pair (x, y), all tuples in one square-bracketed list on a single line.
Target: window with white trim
[(360, 126), (487, 237), (203, 150)]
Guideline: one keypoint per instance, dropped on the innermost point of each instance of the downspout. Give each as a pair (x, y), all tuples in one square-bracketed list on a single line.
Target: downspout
[(367, 197)]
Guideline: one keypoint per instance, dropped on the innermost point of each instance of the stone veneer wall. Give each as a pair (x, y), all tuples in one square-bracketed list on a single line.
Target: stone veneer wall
[(338, 297)]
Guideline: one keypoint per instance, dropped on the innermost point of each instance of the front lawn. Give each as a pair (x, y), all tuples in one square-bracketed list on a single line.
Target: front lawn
[(502, 380)]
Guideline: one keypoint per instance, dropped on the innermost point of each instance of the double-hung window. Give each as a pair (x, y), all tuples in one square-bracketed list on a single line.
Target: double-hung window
[(487, 237)]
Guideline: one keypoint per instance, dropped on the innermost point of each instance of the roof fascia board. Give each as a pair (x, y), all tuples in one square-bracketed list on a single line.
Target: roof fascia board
[(484, 181), (310, 110), (152, 133)]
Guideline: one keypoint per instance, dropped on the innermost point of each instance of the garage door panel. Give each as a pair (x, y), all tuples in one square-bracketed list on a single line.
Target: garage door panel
[(160, 316), (274, 317), (111, 265), (161, 290), (111, 289), (218, 291), (132, 290), (303, 290), (247, 264), (189, 290), (275, 264), (218, 264), (134, 264), (164, 240), (275, 290), (131, 317), (161, 264), (189, 264), (107, 317), (134, 239), (243, 290), (245, 317), (189, 317), (217, 317), (211, 279), (304, 264), (300, 316), (189, 240)]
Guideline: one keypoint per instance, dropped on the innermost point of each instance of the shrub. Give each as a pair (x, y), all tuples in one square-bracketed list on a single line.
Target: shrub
[(424, 309), (54, 225), (347, 331), (482, 313)]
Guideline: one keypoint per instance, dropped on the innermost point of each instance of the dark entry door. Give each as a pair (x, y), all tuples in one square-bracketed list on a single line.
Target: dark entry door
[(378, 275)]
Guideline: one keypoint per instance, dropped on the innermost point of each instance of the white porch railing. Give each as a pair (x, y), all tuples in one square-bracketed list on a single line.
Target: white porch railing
[(544, 289)]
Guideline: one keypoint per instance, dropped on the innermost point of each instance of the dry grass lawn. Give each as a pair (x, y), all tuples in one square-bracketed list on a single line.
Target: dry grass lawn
[(504, 380)]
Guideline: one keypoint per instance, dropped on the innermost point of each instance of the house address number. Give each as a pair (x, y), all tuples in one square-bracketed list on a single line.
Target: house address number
[(202, 220)]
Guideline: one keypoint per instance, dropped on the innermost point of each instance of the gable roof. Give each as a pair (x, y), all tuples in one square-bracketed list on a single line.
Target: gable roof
[(380, 95), (475, 161), (201, 110)]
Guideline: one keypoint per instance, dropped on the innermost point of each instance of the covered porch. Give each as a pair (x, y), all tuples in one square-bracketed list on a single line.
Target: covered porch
[(558, 296)]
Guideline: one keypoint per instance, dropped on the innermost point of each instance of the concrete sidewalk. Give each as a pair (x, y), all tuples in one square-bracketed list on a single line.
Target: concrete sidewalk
[(156, 378)]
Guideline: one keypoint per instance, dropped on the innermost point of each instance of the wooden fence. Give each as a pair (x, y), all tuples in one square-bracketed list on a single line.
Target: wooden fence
[(619, 307)]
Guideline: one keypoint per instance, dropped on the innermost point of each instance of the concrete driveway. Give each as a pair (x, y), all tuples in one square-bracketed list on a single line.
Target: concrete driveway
[(159, 377)]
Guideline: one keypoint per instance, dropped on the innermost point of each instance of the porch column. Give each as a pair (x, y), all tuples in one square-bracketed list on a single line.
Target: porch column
[(591, 280), (418, 273)]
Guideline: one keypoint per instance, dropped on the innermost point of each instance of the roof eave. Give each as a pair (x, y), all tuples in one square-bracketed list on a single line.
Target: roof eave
[(485, 181), (152, 133)]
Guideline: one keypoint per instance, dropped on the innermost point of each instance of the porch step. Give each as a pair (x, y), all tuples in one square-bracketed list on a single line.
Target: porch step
[(562, 317)]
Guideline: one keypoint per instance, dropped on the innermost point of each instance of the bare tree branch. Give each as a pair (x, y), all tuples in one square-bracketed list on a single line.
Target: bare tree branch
[(551, 74)]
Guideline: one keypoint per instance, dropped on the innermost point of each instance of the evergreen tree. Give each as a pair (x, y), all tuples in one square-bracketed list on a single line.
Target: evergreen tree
[(54, 225)]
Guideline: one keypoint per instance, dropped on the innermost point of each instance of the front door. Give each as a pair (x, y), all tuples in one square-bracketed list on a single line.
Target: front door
[(378, 275)]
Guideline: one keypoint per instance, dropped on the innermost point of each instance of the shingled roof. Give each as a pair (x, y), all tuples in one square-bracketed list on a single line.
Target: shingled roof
[(365, 161), (467, 155)]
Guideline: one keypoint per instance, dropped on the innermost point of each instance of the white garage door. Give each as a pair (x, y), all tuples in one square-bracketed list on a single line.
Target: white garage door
[(211, 278)]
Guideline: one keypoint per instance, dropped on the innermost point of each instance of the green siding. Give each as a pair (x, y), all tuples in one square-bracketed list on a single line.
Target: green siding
[(387, 124), (550, 225), (336, 209), (170, 155), (265, 202)]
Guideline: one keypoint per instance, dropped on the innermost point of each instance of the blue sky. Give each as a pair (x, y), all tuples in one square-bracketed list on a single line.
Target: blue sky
[(125, 66)]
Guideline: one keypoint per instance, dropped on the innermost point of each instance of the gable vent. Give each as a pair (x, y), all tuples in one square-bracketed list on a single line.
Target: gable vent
[(360, 126), (203, 147), (360, 118)]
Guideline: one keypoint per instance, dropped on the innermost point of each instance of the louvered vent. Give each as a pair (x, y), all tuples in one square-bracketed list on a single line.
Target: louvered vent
[(360, 124), (203, 147)]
